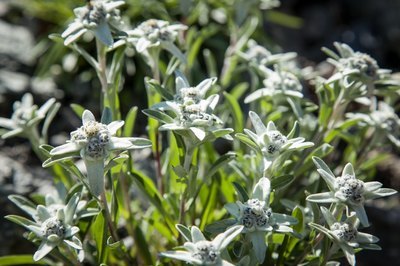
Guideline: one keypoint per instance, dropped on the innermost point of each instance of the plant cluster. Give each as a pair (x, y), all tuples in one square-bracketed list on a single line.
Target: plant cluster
[(276, 197)]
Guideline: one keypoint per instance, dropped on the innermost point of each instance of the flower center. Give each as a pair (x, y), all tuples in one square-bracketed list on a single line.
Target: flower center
[(362, 62), (206, 252), (94, 15), (351, 188), (254, 214), (156, 30), (344, 231), (53, 226), (275, 143)]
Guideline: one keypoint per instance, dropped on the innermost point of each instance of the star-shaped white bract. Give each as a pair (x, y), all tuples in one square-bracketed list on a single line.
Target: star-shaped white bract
[(200, 251), (270, 141), (257, 217), (25, 117), (155, 33), (53, 225), (279, 84), (190, 113), (345, 234), (93, 142), (384, 119), (99, 16), (347, 189)]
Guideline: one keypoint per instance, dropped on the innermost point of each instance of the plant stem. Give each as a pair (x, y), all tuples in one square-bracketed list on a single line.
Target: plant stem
[(186, 165), (102, 75)]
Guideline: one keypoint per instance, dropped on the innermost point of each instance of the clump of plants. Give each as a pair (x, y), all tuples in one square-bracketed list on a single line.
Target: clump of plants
[(255, 159)]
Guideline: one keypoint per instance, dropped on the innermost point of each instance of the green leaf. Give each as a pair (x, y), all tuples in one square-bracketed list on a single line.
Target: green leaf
[(78, 109), (219, 227), (298, 214), (99, 234), (236, 112), (184, 231), (130, 122), (322, 165), (158, 115), (23, 260), (143, 248), (106, 116), (241, 192), (281, 181), (20, 220), (246, 140), (221, 162), (153, 84)]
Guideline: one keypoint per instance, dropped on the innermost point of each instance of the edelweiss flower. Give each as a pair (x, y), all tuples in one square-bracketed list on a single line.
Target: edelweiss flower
[(279, 83), (348, 189), (26, 116), (258, 55), (189, 111), (271, 142), (345, 234), (154, 33), (93, 142), (355, 64), (99, 16), (200, 251), (384, 119), (257, 217), (53, 226)]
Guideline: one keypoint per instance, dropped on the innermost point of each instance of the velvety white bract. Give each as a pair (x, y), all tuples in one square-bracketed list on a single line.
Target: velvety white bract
[(26, 116), (93, 142), (347, 189), (99, 16), (200, 251)]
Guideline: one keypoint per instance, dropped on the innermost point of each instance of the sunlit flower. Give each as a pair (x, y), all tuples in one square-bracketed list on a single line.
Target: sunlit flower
[(257, 217), (99, 16), (345, 234), (189, 111), (93, 142), (54, 226), (26, 116), (200, 251), (270, 141), (348, 189)]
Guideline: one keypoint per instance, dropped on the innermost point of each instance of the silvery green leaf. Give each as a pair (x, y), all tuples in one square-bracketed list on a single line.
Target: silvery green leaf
[(205, 85), (323, 197), (72, 231), (366, 238), (381, 192), (45, 248), (87, 117), (254, 137), (259, 245), (140, 143), (7, 123), (119, 144), (349, 254), (283, 219), (300, 145), (260, 93), (67, 148), (42, 213), (348, 170), (72, 28), (330, 220), (221, 225), (70, 209), (114, 126), (20, 220), (246, 140), (171, 47), (323, 230), (212, 101), (185, 232), (53, 238), (12, 133), (74, 36), (372, 186), (199, 133), (322, 165), (180, 81), (226, 263), (262, 189), (142, 45), (361, 214), (181, 255), (222, 240), (24, 204), (158, 115), (257, 123), (283, 229), (95, 173), (103, 33), (196, 234), (370, 246), (329, 179), (72, 244)]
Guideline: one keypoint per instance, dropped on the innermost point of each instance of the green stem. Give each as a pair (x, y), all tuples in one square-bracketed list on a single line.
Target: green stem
[(186, 165), (102, 75)]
